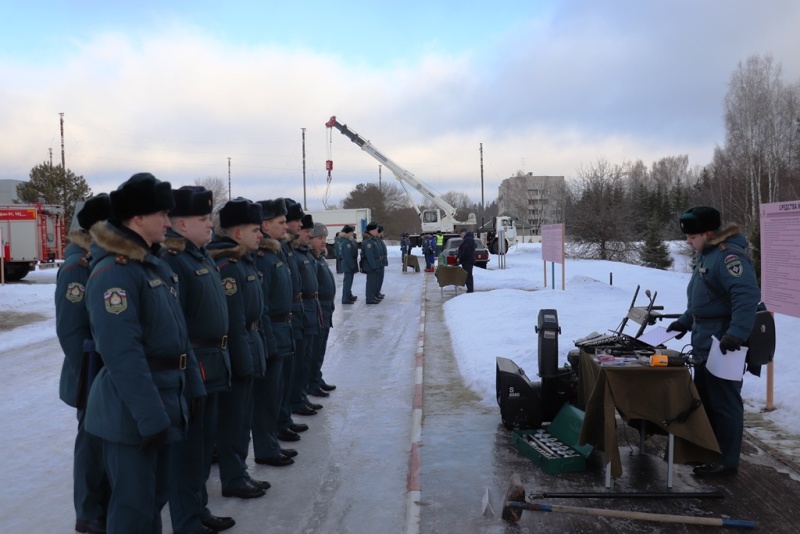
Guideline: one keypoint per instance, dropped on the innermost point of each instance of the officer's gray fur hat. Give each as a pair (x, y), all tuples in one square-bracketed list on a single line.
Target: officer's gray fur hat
[(319, 230)]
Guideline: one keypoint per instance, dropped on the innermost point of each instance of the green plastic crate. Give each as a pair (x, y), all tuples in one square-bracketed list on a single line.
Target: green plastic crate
[(566, 427)]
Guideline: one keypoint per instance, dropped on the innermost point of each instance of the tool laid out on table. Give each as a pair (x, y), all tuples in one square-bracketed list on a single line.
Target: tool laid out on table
[(515, 502)]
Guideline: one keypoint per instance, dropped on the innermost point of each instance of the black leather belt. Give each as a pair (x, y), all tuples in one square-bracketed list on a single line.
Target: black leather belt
[(253, 326), (281, 317), (313, 295), (209, 343), (167, 364), (298, 297)]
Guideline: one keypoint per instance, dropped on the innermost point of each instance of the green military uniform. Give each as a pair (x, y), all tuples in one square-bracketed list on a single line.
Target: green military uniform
[(371, 264), (307, 268), (327, 297), (349, 256)]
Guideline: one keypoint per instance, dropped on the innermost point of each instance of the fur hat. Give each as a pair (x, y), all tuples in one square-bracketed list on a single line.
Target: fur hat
[(240, 211), (273, 208), (372, 226), (319, 230), (141, 194), (192, 200), (294, 212), (346, 229), (700, 219), (308, 221), (96, 208)]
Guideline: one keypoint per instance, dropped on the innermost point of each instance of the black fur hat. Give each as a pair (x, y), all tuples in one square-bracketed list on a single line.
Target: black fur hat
[(308, 221), (273, 208), (700, 219), (192, 200), (372, 226), (141, 194), (294, 212), (346, 229), (96, 208), (240, 211)]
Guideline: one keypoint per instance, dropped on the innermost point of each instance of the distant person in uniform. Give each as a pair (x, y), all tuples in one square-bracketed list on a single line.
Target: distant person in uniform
[(439, 246), (723, 296), (466, 256), (348, 249), (371, 262), (90, 486), (136, 404), (405, 248), (384, 262), (337, 253), (205, 309), (317, 386)]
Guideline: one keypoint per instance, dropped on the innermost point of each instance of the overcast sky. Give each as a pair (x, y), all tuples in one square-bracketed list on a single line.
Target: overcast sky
[(176, 88)]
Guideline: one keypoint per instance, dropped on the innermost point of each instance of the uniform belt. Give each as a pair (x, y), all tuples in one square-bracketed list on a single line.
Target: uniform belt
[(281, 317), (253, 326), (298, 297), (167, 364), (699, 319), (313, 295), (327, 298), (209, 343)]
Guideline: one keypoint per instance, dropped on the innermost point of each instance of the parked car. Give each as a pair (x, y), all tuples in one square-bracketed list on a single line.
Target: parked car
[(450, 252)]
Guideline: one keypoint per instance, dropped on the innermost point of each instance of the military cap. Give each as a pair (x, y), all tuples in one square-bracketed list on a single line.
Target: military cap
[(319, 230), (294, 212), (346, 229), (273, 208), (96, 208), (700, 219), (240, 211), (191, 200), (141, 194), (307, 221), (372, 226)]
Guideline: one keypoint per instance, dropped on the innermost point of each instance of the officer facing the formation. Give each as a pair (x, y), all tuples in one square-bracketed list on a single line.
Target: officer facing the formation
[(327, 295), (288, 430), (206, 312), (269, 392), (348, 253), (384, 262), (307, 267), (723, 295), (371, 262), (136, 404), (90, 485), (238, 236)]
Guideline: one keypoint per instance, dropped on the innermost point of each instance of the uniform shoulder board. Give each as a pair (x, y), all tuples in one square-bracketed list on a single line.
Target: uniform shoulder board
[(122, 260)]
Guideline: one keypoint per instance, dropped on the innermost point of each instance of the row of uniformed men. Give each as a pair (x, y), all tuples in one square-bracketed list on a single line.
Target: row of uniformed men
[(176, 345), (374, 260)]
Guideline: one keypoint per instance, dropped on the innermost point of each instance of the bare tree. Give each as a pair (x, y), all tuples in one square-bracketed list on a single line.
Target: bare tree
[(218, 188)]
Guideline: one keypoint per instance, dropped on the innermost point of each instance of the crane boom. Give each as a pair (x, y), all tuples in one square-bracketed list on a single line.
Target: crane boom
[(443, 219)]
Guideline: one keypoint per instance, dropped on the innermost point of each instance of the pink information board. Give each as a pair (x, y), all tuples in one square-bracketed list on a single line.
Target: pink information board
[(780, 257), (553, 243)]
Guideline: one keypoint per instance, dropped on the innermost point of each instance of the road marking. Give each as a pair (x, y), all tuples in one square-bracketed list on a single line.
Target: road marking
[(414, 461)]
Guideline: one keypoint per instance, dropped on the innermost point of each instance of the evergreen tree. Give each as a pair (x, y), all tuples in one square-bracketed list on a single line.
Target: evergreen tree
[(655, 252), (50, 185)]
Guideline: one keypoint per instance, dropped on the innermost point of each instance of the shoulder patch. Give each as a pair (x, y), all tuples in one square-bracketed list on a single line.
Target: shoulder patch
[(75, 292), (116, 300), (229, 285), (730, 257), (735, 268)]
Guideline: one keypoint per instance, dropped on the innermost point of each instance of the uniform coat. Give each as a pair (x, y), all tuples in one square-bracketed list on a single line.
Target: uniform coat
[(349, 257)]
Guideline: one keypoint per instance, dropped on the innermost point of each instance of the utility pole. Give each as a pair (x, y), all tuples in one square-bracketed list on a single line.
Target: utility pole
[(63, 163), (304, 170), (380, 186), (483, 207), (51, 156), (229, 178)]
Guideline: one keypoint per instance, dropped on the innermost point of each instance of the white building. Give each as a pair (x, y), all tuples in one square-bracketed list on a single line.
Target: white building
[(533, 200)]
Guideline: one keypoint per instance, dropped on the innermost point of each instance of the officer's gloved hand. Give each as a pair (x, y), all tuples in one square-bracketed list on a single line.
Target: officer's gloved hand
[(196, 407), (677, 326), (153, 442), (729, 342)]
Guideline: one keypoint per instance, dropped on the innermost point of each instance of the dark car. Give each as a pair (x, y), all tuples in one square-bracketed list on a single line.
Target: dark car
[(450, 252)]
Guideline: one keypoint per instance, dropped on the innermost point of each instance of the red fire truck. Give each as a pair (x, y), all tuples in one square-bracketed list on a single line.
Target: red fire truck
[(30, 233)]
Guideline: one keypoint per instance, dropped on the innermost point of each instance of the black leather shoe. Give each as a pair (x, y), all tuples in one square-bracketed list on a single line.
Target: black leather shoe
[(348, 301), (298, 427), (218, 524), (353, 298), (380, 295), (373, 302), (288, 435), (202, 529), (280, 461), (319, 393), (289, 453), (259, 484), (245, 491), (716, 470), (315, 407), (305, 410), (92, 526), (327, 387)]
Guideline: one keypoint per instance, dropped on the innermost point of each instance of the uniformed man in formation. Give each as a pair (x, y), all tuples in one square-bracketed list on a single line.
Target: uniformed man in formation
[(90, 485), (348, 257), (179, 346), (372, 262)]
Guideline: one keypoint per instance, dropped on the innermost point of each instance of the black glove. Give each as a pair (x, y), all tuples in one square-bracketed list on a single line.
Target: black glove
[(729, 342), (153, 442), (196, 407), (677, 326)]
